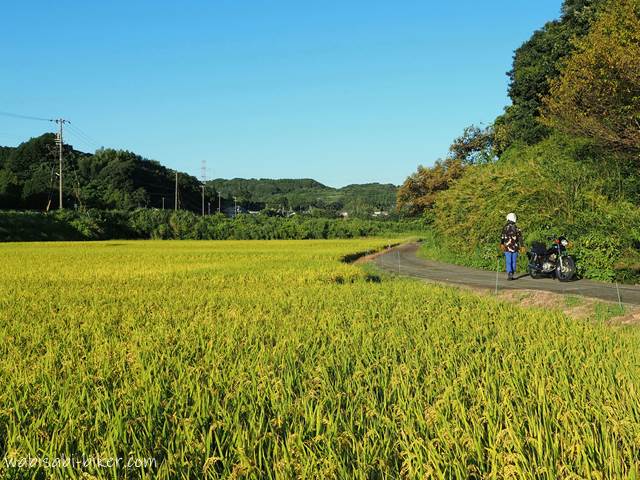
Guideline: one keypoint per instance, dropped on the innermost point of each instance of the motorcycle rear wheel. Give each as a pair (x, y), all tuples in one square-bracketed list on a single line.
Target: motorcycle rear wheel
[(533, 272), (567, 271)]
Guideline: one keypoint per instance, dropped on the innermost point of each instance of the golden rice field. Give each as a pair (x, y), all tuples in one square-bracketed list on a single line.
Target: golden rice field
[(272, 359)]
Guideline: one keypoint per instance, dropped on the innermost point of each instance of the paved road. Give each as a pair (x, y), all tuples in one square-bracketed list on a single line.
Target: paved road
[(404, 260)]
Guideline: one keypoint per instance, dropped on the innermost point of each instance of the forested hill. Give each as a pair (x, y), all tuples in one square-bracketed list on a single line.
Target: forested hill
[(107, 179), (298, 194), (112, 179)]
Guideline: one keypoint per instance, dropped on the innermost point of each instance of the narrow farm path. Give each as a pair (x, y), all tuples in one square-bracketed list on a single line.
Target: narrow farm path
[(403, 260)]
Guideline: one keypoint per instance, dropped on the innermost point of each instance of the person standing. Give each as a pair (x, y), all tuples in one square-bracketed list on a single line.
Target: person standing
[(510, 244)]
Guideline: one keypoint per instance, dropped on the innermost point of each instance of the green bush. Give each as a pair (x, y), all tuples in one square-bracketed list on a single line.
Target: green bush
[(596, 255), (159, 224)]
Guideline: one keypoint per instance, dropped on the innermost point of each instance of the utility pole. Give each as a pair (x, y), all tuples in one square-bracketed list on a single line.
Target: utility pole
[(203, 179), (175, 204), (162, 203), (202, 186), (235, 207), (60, 122)]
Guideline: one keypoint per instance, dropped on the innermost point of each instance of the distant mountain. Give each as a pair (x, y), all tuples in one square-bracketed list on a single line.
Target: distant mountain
[(304, 194), (262, 189)]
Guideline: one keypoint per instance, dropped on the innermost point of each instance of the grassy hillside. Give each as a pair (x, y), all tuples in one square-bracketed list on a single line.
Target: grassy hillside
[(274, 359)]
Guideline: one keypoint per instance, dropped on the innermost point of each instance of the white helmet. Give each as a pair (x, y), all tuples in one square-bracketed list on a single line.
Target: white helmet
[(512, 217)]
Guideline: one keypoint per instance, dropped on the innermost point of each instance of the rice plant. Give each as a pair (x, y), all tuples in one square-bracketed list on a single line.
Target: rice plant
[(274, 359)]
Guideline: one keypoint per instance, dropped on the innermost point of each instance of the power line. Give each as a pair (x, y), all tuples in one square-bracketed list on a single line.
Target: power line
[(83, 133), (79, 133), (59, 141), (77, 138), (84, 137), (52, 178), (25, 117), (77, 186)]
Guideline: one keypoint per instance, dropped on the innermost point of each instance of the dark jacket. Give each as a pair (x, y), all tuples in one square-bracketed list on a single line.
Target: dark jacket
[(511, 237)]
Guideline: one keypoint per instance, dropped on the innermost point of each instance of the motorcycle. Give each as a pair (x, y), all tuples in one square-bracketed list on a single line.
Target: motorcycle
[(554, 260)]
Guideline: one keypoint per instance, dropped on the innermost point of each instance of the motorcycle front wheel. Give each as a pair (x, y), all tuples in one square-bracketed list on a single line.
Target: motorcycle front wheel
[(566, 271)]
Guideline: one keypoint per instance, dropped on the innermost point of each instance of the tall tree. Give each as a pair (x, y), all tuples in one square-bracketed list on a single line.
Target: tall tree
[(474, 146), (535, 63), (598, 93), (418, 192)]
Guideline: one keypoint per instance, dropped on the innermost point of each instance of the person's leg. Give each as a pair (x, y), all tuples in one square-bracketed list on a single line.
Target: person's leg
[(507, 257), (514, 262)]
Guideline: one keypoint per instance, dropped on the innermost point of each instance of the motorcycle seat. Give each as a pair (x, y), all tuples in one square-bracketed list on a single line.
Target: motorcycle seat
[(538, 248)]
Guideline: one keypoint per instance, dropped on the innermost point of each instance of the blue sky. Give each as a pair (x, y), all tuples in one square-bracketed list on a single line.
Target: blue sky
[(340, 91)]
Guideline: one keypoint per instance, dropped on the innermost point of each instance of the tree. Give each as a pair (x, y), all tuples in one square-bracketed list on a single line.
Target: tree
[(581, 13), (474, 146), (4, 154), (39, 188), (9, 190), (418, 192), (535, 64), (598, 92), (119, 179)]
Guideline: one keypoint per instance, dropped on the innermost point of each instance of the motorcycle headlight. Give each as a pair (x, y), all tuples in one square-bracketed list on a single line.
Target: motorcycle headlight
[(564, 242)]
